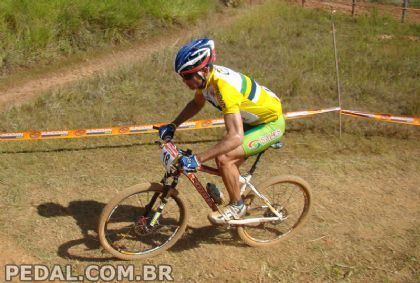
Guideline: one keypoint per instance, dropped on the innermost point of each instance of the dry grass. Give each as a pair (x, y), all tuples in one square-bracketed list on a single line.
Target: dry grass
[(364, 225)]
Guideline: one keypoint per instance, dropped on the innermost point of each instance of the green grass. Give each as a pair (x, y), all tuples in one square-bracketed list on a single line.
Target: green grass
[(295, 59), (39, 32)]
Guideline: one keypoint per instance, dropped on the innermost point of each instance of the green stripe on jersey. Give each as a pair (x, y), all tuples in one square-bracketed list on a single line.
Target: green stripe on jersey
[(244, 85)]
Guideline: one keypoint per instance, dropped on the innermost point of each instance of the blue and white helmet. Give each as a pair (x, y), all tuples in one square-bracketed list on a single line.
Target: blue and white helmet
[(194, 56)]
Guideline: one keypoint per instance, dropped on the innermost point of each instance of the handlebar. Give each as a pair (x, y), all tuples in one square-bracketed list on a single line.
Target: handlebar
[(187, 152)]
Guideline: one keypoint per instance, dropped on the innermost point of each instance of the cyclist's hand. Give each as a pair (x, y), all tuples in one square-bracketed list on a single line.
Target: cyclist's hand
[(189, 163), (166, 132)]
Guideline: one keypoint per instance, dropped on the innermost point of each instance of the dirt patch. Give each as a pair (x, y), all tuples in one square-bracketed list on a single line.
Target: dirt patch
[(12, 254), (364, 224)]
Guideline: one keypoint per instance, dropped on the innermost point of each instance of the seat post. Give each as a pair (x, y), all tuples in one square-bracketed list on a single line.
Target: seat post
[(277, 145), (254, 166)]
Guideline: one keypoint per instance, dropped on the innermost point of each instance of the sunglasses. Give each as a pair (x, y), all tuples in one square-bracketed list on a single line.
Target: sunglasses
[(188, 76)]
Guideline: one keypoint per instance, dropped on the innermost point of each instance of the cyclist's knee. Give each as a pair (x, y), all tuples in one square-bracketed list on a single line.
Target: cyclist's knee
[(223, 160)]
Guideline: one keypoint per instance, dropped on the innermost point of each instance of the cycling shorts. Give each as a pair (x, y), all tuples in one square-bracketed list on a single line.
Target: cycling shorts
[(260, 137)]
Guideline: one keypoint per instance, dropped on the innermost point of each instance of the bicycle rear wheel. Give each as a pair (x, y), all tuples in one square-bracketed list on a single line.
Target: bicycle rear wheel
[(123, 229), (290, 196)]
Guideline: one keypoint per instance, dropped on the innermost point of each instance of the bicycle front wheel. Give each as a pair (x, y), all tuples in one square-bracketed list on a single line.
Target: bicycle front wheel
[(290, 196), (123, 225)]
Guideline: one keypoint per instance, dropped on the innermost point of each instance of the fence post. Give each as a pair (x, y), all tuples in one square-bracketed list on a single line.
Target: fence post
[(353, 6), (404, 10), (303, 3), (336, 66)]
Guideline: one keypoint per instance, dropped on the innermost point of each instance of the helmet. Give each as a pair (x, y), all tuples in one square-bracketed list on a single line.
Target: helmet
[(194, 56)]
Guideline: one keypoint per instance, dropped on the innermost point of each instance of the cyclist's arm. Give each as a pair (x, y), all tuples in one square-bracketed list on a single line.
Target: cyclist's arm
[(233, 138), (191, 109)]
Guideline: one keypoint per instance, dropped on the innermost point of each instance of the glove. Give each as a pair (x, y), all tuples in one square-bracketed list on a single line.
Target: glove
[(189, 163), (166, 132)]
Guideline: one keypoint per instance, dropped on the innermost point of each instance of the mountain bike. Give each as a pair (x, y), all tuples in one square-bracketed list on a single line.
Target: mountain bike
[(147, 219)]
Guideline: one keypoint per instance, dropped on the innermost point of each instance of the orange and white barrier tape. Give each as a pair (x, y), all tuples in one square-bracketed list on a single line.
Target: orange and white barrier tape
[(409, 120), (200, 124), (132, 130), (111, 131), (308, 113)]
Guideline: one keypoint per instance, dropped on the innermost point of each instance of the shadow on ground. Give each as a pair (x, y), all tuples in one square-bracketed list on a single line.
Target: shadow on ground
[(75, 149), (86, 213)]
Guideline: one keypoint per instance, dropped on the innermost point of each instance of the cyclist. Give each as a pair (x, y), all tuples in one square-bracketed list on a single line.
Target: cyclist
[(252, 114)]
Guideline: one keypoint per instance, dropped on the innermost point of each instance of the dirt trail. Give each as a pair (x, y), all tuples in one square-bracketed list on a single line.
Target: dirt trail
[(31, 88), (11, 254)]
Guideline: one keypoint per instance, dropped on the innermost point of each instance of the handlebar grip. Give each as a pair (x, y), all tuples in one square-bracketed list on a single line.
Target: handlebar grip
[(167, 139)]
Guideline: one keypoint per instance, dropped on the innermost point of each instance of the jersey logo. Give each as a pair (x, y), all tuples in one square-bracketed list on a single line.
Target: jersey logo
[(220, 99), (214, 97), (215, 105), (211, 97)]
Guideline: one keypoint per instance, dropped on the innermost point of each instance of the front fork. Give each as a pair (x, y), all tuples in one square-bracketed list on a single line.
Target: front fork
[(158, 213), (154, 217)]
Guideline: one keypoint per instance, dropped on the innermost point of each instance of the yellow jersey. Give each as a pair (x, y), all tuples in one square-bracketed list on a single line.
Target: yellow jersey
[(233, 92)]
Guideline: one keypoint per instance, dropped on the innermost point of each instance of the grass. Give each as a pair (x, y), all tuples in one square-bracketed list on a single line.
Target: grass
[(364, 226), (43, 31), (295, 59)]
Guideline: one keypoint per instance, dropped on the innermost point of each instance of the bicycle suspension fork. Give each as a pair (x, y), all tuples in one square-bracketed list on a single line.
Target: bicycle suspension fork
[(164, 200)]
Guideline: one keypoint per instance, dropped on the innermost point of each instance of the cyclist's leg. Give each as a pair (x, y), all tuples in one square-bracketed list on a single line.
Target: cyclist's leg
[(228, 165), (262, 136), (256, 140), (229, 169)]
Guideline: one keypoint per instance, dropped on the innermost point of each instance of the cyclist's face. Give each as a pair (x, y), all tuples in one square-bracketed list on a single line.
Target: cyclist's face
[(193, 81)]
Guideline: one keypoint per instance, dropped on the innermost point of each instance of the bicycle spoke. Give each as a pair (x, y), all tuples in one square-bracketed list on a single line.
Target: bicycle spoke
[(128, 230), (288, 199)]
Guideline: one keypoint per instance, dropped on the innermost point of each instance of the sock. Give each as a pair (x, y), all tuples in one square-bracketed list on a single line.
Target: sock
[(239, 203)]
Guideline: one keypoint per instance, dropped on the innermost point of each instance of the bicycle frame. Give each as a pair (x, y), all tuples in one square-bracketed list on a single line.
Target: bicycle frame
[(245, 180), (200, 188)]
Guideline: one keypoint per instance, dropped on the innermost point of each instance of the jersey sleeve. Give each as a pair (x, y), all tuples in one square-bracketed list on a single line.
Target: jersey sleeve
[(228, 97)]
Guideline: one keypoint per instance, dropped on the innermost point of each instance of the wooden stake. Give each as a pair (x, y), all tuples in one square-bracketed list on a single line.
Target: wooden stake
[(353, 7), (404, 10), (336, 67)]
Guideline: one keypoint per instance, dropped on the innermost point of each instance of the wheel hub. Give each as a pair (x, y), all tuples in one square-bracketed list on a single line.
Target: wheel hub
[(281, 210), (141, 227)]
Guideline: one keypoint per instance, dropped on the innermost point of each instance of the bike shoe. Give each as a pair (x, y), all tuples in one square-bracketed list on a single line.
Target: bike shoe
[(229, 212)]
